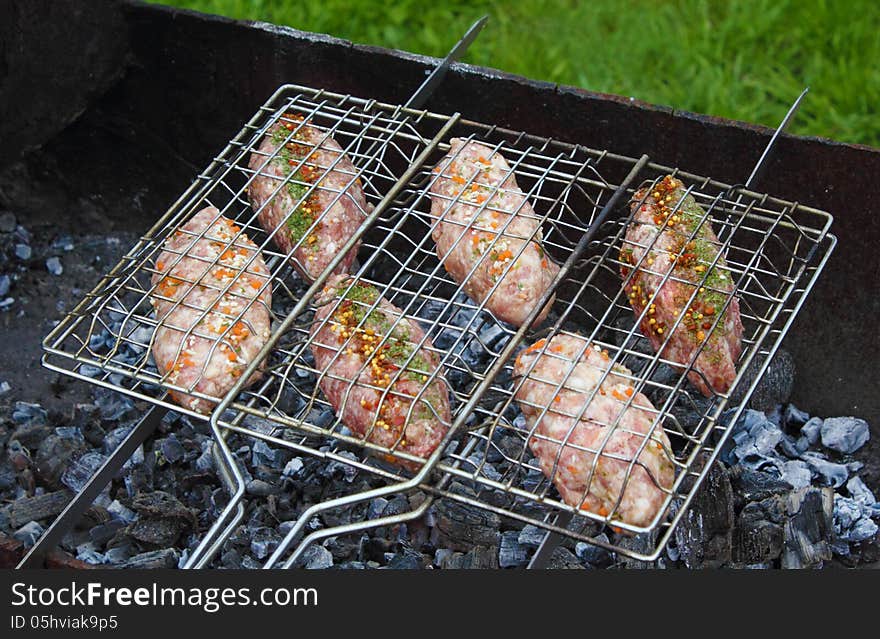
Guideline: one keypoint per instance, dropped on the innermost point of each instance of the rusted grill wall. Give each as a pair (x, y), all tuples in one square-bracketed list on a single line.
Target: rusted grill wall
[(190, 80)]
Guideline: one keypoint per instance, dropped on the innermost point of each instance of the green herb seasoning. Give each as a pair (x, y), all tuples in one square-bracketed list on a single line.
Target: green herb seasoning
[(290, 154)]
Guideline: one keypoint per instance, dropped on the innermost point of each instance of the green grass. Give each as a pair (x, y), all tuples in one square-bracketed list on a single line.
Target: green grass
[(745, 60)]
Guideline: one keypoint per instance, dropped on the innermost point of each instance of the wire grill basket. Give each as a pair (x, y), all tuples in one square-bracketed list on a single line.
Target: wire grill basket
[(774, 250)]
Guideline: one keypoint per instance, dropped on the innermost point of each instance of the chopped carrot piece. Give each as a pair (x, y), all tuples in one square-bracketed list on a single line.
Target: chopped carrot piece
[(603, 512), (536, 346), (458, 179), (160, 266), (629, 391), (255, 284)]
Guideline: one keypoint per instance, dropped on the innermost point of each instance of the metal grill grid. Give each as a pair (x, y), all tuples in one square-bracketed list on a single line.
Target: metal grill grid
[(774, 249)]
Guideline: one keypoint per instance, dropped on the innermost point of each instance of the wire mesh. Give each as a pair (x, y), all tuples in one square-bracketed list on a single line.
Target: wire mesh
[(774, 251), (108, 338)]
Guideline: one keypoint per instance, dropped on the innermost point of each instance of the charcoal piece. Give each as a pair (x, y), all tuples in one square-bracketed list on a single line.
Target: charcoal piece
[(593, 554), (447, 559), (293, 467), (511, 553), (844, 434), (171, 449), (749, 485), (113, 407), (8, 476), (480, 558), (797, 473), (315, 557), (531, 536), (7, 222), (861, 493), (21, 511), (397, 506), (156, 531), (54, 266), (264, 542), (118, 554), (164, 558), (688, 411), (231, 558), (758, 535), (789, 447), (163, 518), (263, 454), (852, 518), (82, 469), (29, 414), (339, 469), (643, 544), (794, 417), (406, 560), (863, 529), (828, 473), (810, 431), (103, 533), (563, 559), (705, 533), (461, 526), (89, 553), (376, 508), (260, 488), (809, 529), (773, 388), (31, 435), (29, 533), (53, 457), (343, 548), (23, 252), (70, 432), (161, 504)]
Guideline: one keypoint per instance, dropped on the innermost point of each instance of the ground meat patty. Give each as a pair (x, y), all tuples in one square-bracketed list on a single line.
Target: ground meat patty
[(715, 345), (489, 208), (371, 387), (313, 225), (207, 276), (582, 480)]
